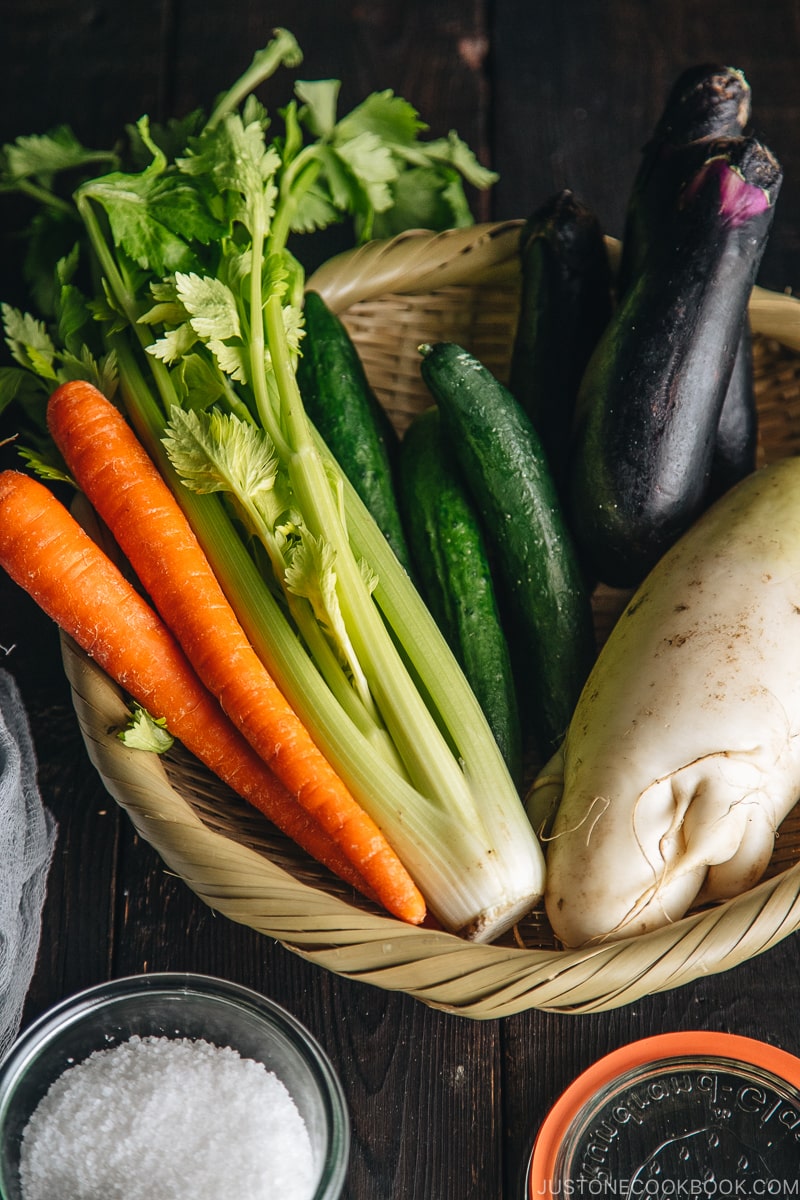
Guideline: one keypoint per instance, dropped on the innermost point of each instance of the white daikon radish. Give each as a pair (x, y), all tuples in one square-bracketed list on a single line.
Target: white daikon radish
[(683, 755)]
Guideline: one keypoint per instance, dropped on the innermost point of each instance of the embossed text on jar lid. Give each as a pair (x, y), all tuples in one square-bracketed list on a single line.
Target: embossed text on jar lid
[(696, 1114)]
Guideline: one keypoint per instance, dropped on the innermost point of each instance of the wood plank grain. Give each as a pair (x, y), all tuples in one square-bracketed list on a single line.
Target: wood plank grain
[(90, 65)]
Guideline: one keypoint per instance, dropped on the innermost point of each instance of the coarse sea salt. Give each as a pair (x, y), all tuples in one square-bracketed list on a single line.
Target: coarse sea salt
[(159, 1118)]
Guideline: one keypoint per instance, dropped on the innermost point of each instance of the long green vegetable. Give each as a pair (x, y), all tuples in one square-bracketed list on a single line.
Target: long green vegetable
[(199, 301)]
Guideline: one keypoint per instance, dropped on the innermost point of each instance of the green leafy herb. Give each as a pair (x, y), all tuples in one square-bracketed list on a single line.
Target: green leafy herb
[(31, 164), (144, 732)]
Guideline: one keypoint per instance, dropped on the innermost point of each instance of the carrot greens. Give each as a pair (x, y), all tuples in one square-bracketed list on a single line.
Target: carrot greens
[(198, 293)]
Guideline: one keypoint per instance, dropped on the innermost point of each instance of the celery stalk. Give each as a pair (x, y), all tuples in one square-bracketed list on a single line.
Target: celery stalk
[(477, 861)]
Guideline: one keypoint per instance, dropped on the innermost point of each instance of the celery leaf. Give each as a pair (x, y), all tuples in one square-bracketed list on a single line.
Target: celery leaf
[(231, 360), (42, 156), (455, 152), (173, 343), (45, 466), (171, 138), (29, 342), (319, 99), (387, 117), (197, 383), (371, 162), (424, 198), (145, 732), (211, 306), (310, 573), (155, 215), (234, 157), (315, 210), (218, 452)]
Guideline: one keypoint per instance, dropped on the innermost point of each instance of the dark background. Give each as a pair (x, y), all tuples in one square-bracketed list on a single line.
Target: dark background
[(550, 94)]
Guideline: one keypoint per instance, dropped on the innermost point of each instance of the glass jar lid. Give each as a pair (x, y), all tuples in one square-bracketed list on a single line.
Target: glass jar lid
[(695, 1114)]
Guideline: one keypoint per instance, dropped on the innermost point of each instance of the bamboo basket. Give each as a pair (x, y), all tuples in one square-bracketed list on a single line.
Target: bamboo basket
[(459, 286)]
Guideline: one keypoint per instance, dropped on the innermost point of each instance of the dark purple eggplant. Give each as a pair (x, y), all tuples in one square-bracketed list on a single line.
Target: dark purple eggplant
[(652, 395), (565, 303), (736, 444), (706, 101)]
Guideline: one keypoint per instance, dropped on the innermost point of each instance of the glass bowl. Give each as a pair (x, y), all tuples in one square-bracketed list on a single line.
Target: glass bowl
[(176, 1006)]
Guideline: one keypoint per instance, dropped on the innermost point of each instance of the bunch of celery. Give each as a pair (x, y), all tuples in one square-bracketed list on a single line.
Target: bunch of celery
[(199, 302)]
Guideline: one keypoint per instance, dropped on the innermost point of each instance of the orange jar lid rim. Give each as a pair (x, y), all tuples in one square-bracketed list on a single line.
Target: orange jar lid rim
[(660, 1047)]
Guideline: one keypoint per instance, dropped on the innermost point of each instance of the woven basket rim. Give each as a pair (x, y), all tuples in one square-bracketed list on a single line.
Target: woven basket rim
[(418, 261), (438, 968), (479, 981)]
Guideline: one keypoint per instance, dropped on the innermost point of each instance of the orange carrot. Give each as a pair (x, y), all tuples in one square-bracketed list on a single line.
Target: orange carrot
[(46, 552), (126, 489)]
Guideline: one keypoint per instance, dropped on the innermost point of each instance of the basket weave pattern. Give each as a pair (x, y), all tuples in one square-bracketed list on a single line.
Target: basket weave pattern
[(462, 287)]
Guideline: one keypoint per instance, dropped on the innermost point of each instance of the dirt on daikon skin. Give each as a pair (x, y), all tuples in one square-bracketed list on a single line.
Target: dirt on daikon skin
[(683, 755)]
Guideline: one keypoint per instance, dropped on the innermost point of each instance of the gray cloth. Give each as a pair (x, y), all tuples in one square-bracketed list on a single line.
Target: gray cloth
[(27, 841)]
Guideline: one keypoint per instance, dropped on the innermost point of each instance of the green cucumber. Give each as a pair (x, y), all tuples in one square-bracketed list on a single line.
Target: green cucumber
[(452, 570), (351, 420), (552, 636)]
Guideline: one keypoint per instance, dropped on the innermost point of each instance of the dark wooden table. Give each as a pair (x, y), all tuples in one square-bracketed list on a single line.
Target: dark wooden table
[(551, 93)]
